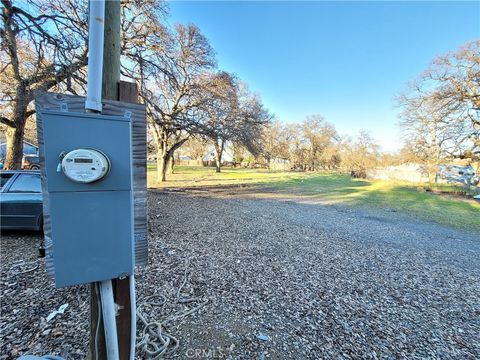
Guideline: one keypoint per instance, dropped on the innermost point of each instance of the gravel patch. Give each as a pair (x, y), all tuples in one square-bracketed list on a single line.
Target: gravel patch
[(271, 279)]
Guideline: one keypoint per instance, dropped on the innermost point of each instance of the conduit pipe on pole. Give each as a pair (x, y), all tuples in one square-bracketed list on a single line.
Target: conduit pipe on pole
[(108, 312), (96, 27), (133, 309)]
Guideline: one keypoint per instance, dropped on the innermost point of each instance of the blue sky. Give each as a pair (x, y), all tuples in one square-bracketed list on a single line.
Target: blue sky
[(344, 60)]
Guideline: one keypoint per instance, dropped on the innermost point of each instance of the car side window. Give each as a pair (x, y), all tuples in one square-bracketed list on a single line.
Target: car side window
[(4, 178), (26, 183)]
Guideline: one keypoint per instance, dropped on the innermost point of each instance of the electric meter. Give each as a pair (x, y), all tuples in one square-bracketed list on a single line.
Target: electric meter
[(85, 165)]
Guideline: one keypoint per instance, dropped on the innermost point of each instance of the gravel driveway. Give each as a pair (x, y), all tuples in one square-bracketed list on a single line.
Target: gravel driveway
[(268, 279)]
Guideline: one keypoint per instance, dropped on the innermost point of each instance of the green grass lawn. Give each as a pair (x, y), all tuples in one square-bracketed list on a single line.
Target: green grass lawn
[(188, 176), (335, 188)]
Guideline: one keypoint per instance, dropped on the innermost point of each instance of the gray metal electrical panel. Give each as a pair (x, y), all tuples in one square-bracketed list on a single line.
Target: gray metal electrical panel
[(91, 222)]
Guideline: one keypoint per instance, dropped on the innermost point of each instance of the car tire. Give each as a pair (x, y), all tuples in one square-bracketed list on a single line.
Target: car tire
[(35, 167)]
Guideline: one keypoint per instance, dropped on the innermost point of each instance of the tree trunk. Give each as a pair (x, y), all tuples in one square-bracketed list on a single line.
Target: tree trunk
[(15, 133), (164, 154), (268, 159), (161, 165), (218, 165), (171, 163), (432, 171), (163, 169), (218, 156), (14, 149)]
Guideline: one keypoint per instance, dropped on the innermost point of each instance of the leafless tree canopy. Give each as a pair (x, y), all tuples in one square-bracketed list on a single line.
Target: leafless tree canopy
[(441, 110), (360, 155), (175, 83), (312, 145), (43, 45)]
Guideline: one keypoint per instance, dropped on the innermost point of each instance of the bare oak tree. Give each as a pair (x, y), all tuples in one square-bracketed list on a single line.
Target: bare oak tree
[(254, 116), (175, 87), (276, 142), (221, 114), (196, 147), (318, 136), (234, 115), (455, 79), (441, 110), (360, 155), (43, 45)]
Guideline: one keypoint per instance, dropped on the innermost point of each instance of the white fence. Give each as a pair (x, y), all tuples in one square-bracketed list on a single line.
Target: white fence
[(406, 172)]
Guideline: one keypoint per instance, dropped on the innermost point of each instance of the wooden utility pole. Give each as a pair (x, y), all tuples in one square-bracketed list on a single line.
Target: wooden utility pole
[(111, 50), (113, 89)]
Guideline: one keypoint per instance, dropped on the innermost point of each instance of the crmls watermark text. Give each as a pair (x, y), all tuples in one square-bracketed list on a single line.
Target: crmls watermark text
[(213, 353)]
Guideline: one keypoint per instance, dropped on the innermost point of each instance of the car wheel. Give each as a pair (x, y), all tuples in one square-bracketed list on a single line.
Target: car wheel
[(35, 167)]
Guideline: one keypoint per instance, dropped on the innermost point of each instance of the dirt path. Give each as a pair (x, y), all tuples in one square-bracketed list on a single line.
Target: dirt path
[(283, 280)]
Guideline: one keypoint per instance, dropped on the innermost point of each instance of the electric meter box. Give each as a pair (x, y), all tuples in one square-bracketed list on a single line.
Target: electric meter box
[(87, 176)]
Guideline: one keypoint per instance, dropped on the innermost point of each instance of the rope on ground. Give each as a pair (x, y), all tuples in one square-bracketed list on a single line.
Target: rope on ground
[(153, 341), (20, 267)]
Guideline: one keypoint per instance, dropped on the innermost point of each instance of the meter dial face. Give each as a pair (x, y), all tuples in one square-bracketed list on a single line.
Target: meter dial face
[(85, 165)]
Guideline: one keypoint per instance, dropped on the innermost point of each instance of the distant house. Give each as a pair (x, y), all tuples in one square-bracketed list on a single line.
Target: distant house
[(227, 156), (280, 164), (28, 149), (184, 158)]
